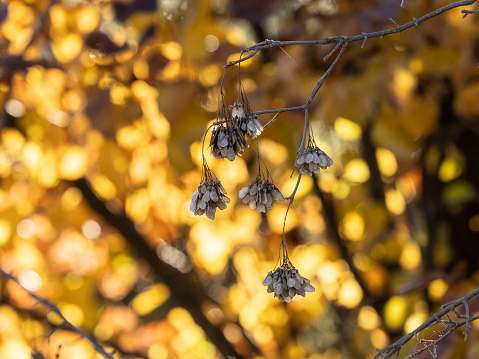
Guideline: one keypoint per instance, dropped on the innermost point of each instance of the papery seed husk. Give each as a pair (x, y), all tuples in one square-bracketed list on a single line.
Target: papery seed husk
[(203, 188), (261, 208), (269, 200), (231, 154), (300, 159), (292, 292), (201, 204), (194, 198), (308, 158), (253, 190), (238, 147), (305, 171), (287, 299), (323, 161), (264, 197), (251, 128), (301, 292), (270, 290), (243, 192), (291, 282), (225, 199), (223, 139), (213, 195), (308, 287), (252, 205), (220, 204), (258, 124), (206, 196), (278, 196), (210, 211), (268, 280), (200, 212), (316, 158), (248, 198), (278, 288), (329, 161)]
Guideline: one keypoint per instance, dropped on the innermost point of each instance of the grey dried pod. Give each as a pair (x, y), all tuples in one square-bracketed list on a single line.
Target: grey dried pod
[(260, 195), (286, 282), (227, 141), (250, 125), (311, 160), (247, 121), (209, 196)]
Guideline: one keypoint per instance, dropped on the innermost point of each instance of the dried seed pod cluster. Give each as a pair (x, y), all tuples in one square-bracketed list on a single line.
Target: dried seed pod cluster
[(227, 141), (247, 121), (250, 125), (286, 282), (260, 195), (209, 196), (312, 159)]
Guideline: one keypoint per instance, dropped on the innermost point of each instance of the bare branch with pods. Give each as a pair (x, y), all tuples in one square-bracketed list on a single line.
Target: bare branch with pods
[(237, 124)]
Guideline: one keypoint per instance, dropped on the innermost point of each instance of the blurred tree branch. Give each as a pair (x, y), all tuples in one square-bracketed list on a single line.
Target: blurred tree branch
[(53, 308), (185, 288)]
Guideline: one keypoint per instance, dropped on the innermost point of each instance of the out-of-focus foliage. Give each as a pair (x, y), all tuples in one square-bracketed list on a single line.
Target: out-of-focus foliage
[(120, 93)]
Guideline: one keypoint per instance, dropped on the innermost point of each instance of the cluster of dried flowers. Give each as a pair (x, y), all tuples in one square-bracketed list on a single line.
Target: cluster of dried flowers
[(227, 141), (229, 136), (247, 121), (312, 159), (210, 195), (286, 282), (237, 123), (260, 195)]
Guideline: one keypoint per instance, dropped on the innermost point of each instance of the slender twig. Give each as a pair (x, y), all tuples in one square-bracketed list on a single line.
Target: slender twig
[(323, 78), (467, 12), (389, 351), (53, 308), (268, 44)]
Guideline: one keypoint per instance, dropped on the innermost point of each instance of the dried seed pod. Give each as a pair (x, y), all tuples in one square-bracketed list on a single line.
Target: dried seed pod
[(260, 196), (227, 141), (311, 160), (209, 196), (286, 282)]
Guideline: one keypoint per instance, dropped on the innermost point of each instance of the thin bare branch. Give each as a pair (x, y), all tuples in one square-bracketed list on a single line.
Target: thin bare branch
[(53, 308), (436, 318)]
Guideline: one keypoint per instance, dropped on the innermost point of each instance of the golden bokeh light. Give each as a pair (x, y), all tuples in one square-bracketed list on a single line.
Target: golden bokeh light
[(387, 162), (347, 129), (353, 226), (150, 299), (356, 171), (395, 312), (73, 163), (105, 106), (395, 202), (368, 318)]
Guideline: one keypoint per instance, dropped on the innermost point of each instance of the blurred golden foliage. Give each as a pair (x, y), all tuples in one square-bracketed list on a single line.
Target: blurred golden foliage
[(117, 94)]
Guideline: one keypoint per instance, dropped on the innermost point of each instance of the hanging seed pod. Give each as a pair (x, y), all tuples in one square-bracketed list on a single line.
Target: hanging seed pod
[(286, 282), (312, 159), (248, 122), (260, 196), (209, 195), (227, 140)]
